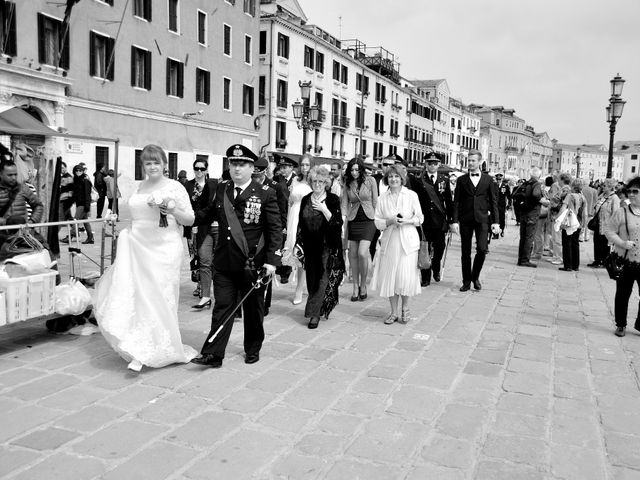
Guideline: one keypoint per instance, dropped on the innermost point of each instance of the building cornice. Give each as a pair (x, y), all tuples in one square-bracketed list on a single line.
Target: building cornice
[(160, 117)]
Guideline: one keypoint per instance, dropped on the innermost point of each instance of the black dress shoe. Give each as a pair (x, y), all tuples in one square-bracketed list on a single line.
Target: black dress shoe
[(637, 325), (284, 280), (436, 277), (425, 283), (593, 265), (528, 264), (208, 360), (465, 287), (565, 269), (477, 285), (253, 358), (313, 323), (619, 332)]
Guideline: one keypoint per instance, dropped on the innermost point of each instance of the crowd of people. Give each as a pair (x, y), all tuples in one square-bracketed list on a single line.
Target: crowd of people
[(290, 220)]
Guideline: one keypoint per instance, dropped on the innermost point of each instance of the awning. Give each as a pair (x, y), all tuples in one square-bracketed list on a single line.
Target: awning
[(15, 121)]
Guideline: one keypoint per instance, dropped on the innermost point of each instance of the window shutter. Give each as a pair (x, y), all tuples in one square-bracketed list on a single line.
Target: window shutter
[(92, 53), (207, 87), (168, 76), (147, 70), (148, 9), (111, 58), (64, 58), (11, 45), (133, 66), (180, 79), (41, 54)]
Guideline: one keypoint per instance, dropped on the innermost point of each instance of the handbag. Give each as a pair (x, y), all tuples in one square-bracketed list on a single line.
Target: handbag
[(94, 195), (614, 263), (424, 257), (194, 266), (594, 223)]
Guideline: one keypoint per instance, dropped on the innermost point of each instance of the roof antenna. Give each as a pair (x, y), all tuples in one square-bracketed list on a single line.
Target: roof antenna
[(340, 28)]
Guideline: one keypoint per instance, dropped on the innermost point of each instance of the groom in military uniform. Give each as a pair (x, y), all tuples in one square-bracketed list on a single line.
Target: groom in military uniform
[(250, 239)]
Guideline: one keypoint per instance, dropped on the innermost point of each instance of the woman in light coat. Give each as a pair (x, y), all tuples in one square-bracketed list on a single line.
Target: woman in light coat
[(396, 274)]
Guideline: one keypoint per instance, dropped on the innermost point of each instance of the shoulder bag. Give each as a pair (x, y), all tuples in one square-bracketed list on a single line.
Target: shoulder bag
[(614, 263), (424, 256)]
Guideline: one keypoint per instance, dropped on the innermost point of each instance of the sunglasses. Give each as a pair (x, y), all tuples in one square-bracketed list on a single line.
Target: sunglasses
[(388, 164), (635, 191), (199, 169)]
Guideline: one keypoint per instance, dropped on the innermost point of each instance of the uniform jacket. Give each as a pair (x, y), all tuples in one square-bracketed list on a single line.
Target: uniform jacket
[(504, 195), (473, 204), (22, 196), (367, 196), (282, 196), (258, 214), (435, 200)]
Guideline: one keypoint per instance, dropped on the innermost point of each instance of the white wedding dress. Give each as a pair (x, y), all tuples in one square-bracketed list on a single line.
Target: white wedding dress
[(136, 302), (298, 190)]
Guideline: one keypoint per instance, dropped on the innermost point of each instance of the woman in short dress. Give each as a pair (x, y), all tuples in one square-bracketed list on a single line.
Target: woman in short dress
[(359, 200)]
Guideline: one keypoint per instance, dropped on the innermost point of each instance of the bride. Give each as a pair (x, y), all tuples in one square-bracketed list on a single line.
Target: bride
[(136, 302)]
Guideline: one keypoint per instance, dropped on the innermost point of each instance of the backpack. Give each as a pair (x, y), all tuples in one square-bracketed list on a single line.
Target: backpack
[(522, 198)]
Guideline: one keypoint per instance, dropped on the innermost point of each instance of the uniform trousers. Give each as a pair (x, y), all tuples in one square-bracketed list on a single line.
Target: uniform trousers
[(227, 286)]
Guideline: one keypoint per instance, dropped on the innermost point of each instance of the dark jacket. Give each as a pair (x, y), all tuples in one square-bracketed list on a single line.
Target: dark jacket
[(14, 201), (100, 184), (473, 204), (282, 196), (504, 195), (201, 200), (435, 201), (82, 192), (258, 214)]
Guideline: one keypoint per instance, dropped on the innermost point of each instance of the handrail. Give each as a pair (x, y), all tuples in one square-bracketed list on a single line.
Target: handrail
[(19, 226)]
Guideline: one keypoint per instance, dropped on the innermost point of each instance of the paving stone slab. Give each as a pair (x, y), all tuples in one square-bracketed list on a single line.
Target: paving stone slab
[(580, 432), (12, 459), (422, 472), (500, 470), (46, 439), (507, 423), (573, 462), (296, 466), (357, 470), (518, 449), (197, 432), (172, 409), (416, 403), (118, 440), (462, 421), (21, 420), (449, 452), (63, 466)]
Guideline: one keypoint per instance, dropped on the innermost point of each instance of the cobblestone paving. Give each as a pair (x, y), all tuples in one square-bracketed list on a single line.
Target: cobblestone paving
[(523, 380)]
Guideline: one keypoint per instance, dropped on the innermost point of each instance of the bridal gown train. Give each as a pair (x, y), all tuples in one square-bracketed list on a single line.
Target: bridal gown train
[(136, 302)]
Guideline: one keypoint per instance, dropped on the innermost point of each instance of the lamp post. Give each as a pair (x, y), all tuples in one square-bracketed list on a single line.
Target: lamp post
[(578, 162), (614, 112), (307, 117)]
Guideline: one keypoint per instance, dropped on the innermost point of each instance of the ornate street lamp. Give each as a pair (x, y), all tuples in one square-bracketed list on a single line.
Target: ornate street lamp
[(307, 117), (614, 112), (578, 160)]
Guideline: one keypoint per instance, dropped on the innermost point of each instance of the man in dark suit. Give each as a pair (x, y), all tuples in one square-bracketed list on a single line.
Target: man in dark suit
[(436, 202), (504, 201), (286, 166), (475, 197), (250, 240)]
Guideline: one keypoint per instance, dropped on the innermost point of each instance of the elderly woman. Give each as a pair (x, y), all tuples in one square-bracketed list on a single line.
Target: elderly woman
[(359, 199), (607, 204), (623, 231), (574, 201), (319, 235), (396, 274)]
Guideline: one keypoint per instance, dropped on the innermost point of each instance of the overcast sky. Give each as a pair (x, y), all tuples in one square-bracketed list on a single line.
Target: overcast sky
[(550, 60)]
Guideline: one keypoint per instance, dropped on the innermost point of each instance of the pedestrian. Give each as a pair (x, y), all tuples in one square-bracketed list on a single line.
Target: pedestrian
[(591, 197), (396, 274), (623, 230), (298, 188), (285, 176), (82, 200), (542, 236), (434, 193), (504, 201), (248, 214), (66, 193), (336, 174), (201, 190), (320, 237), (113, 193), (101, 187), (605, 207), (532, 200), (475, 197), (359, 200), (182, 176), (574, 202), (136, 300)]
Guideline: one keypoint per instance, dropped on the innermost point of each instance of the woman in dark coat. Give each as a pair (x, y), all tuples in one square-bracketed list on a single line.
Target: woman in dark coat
[(320, 236), (82, 199)]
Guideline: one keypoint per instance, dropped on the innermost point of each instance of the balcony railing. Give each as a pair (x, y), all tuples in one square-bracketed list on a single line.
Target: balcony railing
[(509, 148), (339, 121)]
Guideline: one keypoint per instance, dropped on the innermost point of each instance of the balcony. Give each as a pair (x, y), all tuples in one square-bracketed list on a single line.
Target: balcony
[(395, 106), (509, 148), (281, 144), (339, 121)]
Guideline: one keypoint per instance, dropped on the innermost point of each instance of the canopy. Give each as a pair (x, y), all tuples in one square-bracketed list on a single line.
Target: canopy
[(15, 121)]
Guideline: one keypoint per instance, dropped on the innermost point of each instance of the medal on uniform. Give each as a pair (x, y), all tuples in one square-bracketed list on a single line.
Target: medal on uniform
[(252, 210)]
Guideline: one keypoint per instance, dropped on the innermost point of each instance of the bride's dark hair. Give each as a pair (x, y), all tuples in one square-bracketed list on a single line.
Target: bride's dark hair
[(154, 152)]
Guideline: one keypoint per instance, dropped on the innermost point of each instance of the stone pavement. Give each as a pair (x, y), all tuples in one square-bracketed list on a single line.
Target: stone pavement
[(523, 380)]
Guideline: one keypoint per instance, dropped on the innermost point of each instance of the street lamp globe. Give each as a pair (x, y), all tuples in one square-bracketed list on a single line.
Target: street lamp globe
[(297, 109), (608, 113), (617, 105), (305, 90), (616, 85), (314, 113)]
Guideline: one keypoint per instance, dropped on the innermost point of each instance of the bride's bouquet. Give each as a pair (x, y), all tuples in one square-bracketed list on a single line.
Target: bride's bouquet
[(156, 199)]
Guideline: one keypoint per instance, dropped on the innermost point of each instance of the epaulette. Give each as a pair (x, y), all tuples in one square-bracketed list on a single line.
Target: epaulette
[(224, 181), (265, 187)]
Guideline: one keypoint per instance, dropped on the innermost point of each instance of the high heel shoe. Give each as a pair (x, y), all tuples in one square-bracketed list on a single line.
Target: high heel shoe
[(135, 365), (200, 306), (363, 296), (355, 298), (296, 300)]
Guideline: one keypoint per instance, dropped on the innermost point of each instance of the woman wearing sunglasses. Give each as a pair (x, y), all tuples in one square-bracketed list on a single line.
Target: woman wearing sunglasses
[(201, 191), (623, 231)]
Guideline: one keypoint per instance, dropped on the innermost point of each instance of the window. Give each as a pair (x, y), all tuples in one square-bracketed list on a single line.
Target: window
[(281, 134), (175, 77), (319, 62), (247, 99), (381, 93), (283, 45), (250, 7), (53, 49), (281, 94), (634, 156), (203, 86), (309, 57), (226, 93), (262, 87), (140, 68), (336, 71), (247, 49), (202, 27), (174, 20), (319, 100), (173, 165), (227, 40), (102, 157), (360, 112), (101, 56), (8, 43), (139, 169), (142, 9), (262, 44), (344, 74)]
